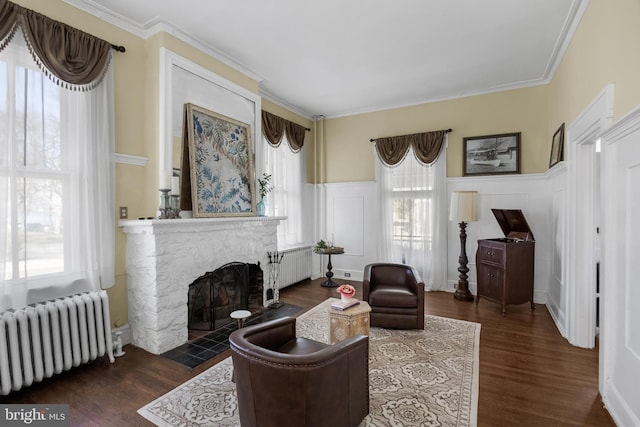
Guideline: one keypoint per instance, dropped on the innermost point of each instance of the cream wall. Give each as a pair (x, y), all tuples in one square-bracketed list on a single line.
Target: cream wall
[(603, 50), (349, 152)]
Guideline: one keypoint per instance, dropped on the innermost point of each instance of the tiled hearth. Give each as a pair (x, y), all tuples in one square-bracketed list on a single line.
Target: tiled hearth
[(165, 256), (213, 343)]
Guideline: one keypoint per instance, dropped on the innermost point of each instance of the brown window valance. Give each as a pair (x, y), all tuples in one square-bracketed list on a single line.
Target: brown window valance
[(69, 57), (426, 147), (274, 127)]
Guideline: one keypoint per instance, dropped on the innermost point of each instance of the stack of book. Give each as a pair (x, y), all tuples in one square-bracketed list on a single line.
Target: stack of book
[(344, 304)]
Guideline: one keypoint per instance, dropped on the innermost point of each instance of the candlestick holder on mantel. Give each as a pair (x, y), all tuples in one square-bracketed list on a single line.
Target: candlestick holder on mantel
[(169, 204)]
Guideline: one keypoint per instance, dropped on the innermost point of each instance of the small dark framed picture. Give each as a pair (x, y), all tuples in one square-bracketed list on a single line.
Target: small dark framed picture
[(492, 154), (557, 146)]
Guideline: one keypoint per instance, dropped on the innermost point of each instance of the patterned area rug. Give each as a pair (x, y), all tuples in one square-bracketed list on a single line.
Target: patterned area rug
[(416, 378)]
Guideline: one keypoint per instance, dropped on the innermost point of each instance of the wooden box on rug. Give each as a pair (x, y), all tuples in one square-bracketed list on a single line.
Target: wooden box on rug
[(347, 323), (505, 265)]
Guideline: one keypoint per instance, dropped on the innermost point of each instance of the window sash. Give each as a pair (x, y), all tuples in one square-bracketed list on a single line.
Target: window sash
[(287, 171), (33, 249)]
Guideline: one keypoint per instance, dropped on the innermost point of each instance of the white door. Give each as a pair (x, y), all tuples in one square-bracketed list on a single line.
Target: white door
[(620, 287)]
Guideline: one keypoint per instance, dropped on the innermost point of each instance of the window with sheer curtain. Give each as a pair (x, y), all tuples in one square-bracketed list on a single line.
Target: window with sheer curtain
[(287, 170), (412, 203), (56, 183)]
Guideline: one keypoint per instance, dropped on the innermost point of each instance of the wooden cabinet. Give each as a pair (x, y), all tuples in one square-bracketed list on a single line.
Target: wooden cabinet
[(505, 266)]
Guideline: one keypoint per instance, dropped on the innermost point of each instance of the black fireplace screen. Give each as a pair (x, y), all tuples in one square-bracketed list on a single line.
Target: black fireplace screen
[(214, 295)]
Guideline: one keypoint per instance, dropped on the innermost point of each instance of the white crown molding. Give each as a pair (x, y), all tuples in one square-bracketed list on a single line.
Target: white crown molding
[(493, 89), (158, 25), (109, 16), (578, 7), (284, 104)]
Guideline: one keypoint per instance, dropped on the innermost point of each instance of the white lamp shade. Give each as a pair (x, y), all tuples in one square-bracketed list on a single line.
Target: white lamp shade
[(464, 206)]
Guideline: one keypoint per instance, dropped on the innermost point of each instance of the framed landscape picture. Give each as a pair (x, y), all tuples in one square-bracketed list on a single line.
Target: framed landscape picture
[(557, 146), (221, 164), (491, 154)]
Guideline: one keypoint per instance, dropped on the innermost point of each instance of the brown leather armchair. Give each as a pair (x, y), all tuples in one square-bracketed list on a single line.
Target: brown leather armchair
[(282, 379), (395, 293)]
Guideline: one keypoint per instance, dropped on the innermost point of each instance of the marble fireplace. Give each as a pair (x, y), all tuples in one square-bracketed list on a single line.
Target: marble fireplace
[(165, 256)]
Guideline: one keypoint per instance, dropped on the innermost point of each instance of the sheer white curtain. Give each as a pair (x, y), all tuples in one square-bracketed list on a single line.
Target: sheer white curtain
[(288, 175), (413, 216), (57, 193)]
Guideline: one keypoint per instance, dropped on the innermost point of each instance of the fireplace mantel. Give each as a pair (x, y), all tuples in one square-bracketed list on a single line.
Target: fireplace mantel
[(159, 226), (165, 256)]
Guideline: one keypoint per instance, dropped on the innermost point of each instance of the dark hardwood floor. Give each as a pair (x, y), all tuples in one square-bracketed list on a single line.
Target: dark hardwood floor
[(529, 374)]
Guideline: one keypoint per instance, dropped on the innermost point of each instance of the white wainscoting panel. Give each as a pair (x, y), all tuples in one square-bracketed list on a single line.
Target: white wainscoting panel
[(352, 220), (632, 290), (348, 223), (556, 303)]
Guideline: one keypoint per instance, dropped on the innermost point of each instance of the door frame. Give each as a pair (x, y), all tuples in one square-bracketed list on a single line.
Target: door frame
[(582, 206)]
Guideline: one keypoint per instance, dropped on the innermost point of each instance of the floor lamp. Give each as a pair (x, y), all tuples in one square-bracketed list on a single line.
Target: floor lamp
[(464, 208)]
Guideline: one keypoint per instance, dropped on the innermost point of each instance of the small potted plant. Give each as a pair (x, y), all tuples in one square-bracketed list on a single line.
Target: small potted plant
[(320, 246), (264, 187)]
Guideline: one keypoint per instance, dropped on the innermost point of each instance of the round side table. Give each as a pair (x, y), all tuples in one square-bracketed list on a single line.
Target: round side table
[(240, 316), (335, 250)]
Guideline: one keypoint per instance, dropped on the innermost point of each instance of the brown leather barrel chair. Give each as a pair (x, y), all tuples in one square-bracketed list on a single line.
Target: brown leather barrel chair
[(284, 380), (395, 293)]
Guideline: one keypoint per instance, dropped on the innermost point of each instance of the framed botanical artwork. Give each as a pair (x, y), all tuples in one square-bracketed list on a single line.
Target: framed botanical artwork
[(557, 146), (220, 164), (491, 154)]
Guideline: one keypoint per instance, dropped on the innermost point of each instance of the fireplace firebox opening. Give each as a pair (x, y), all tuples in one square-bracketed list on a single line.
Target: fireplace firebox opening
[(214, 295)]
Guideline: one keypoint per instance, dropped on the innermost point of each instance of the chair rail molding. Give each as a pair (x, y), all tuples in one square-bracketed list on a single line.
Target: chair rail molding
[(127, 159)]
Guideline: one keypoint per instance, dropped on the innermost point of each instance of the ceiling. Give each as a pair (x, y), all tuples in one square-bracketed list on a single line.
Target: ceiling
[(336, 57)]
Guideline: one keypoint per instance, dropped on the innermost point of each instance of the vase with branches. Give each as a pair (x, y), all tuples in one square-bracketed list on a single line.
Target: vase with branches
[(264, 188)]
